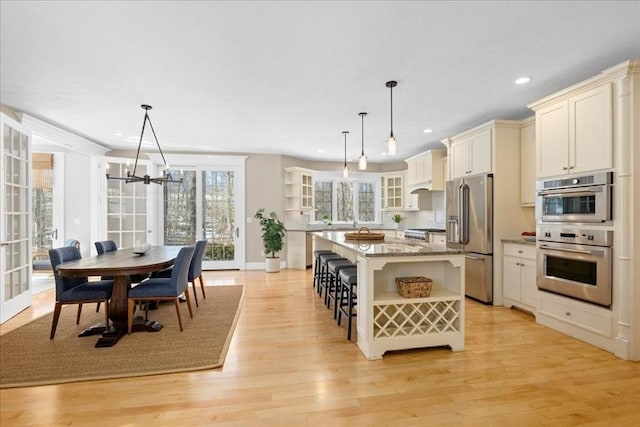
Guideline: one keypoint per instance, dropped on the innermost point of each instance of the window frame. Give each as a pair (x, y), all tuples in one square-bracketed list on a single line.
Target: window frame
[(357, 178)]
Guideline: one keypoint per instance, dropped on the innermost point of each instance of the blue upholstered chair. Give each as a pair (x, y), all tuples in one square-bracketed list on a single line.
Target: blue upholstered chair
[(76, 290), (110, 246), (106, 246), (195, 269), (164, 288)]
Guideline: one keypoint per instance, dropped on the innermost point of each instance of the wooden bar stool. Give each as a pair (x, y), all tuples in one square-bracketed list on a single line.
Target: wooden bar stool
[(333, 284), (348, 296), (316, 267), (324, 270)]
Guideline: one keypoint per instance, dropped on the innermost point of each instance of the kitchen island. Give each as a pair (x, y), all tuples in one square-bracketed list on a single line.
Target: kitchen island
[(387, 321)]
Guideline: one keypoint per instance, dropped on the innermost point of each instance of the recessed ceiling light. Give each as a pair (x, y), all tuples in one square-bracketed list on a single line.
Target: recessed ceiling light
[(523, 80), (118, 134), (428, 130)]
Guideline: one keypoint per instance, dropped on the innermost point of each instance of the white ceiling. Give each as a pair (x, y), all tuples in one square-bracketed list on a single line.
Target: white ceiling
[(288, 77)]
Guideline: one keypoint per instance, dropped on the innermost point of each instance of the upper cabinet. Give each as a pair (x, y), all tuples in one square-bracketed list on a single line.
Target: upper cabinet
[(425, 171), (527, 162), (470, 154), (298, 184), (575, 133), (392, 191)]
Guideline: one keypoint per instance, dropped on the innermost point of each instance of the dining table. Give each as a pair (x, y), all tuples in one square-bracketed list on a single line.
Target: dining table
[(120, 264)]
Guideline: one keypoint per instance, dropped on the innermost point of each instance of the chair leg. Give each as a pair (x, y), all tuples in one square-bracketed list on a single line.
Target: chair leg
[(202, 287), (54, 323), (78, 315), (131, 305), (186, 294), (195, 295), (98, 307), (177, 304)]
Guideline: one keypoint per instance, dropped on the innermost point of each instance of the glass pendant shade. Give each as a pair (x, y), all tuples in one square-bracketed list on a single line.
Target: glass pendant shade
[(391, 146), (345, 172), (362, 162)]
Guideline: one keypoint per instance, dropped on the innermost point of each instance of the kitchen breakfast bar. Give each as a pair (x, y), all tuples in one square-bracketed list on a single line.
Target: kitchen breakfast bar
[(386, 320)]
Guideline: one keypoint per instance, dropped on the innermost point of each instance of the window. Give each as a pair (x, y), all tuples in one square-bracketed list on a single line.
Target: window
[(340, 201)]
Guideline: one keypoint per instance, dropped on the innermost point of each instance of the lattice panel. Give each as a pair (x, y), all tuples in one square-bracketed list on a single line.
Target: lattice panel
[(407, 319)]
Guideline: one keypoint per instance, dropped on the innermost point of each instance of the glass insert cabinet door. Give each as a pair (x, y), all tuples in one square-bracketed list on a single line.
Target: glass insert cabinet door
[(205, 206), (15, 224)]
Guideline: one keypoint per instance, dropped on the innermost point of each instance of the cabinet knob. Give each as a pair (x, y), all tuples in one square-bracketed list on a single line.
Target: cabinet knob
[(571, 167), (568, 313), (564, 168), (519, 252)]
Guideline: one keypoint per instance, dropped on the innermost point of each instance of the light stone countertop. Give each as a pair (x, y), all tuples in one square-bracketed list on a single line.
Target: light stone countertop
[(389, 247)]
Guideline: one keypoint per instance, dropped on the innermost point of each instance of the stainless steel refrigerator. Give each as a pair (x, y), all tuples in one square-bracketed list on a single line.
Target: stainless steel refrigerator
[(470, 227)]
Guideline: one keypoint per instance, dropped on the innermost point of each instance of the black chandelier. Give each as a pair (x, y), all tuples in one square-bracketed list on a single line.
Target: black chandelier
[(132, 177)]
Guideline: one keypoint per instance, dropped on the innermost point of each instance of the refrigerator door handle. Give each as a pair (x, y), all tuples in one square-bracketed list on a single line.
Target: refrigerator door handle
[(463, 211), (474, 257)]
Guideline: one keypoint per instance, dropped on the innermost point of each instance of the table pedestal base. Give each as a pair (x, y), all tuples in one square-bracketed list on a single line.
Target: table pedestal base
[(110, 336)]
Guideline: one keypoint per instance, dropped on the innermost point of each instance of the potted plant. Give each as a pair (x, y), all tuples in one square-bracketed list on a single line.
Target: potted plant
[(272, 239), (396, 218)]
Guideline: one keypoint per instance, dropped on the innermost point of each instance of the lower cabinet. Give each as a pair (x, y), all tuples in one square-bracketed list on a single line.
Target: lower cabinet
[(519, 276)]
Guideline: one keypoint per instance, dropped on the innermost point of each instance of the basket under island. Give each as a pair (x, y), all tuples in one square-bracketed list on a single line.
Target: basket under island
[(387, 321)]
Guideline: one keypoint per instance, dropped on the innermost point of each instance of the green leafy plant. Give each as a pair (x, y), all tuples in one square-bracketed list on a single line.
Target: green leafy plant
[(396, 218), (272, 232)]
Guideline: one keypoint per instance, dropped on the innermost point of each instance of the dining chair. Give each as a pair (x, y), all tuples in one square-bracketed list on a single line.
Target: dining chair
[(110, 246), (195, 269), (76, 290), (164, 288)]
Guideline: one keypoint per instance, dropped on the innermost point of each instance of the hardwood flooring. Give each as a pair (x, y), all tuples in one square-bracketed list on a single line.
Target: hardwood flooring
[(290, 364)]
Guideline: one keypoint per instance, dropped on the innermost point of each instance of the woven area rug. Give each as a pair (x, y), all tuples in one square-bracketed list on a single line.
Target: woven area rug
[(28, 357)]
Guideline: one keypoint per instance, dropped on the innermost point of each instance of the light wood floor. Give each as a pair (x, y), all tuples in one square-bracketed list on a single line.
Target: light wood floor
[(289, 364)]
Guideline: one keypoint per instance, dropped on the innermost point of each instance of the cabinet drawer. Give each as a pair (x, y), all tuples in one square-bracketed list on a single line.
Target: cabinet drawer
[(520, 251), (591, 318)]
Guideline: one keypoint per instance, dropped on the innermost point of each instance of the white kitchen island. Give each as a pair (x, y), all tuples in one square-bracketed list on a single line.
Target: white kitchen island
[(386, 321)]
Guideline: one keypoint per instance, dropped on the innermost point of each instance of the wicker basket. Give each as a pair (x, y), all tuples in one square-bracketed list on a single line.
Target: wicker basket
[(364, 234), (414, 287)]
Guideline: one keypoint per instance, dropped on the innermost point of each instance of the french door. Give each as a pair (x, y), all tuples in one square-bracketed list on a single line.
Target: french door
[(128, 204), (15, 222), (47, 206), (207, 205)]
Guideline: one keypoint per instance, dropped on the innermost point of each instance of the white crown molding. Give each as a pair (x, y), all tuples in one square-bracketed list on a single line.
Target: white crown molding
[(611, 74), (47, 134), (178, 160)]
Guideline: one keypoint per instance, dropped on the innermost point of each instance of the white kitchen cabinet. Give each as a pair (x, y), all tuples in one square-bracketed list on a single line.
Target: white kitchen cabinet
[(575, 134), (392, 185), (519, 276), (425, 170), (527, 163), (471, 155), (298, 184)]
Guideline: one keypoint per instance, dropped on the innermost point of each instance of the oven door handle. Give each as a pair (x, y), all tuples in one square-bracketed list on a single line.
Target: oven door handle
[(577, 251), (583, 191)]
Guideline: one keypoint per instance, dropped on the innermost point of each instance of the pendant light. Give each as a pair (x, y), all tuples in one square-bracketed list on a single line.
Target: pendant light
[(391, 142), (345, 170), (362, 162)]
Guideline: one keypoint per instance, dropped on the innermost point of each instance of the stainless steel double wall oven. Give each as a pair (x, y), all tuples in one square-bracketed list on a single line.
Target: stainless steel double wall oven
[(574, 243)]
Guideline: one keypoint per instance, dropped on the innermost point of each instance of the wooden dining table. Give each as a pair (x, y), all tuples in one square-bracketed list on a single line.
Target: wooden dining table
[(120, 264)]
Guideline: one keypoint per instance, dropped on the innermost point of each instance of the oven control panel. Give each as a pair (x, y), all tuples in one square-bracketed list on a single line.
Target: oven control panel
[(585, 237)]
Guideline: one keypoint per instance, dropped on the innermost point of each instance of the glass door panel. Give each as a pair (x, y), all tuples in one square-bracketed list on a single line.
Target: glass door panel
[(15, 225), (219, 223), (180, 211), (204, 205)]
